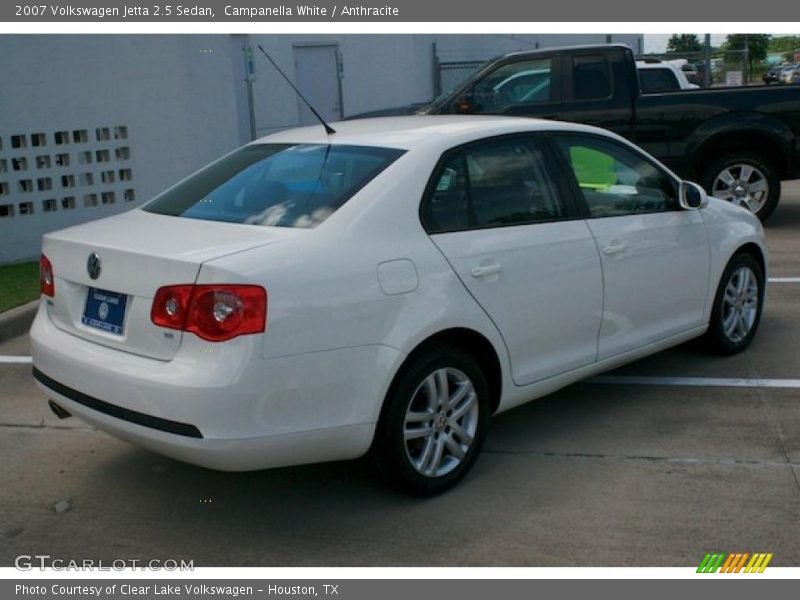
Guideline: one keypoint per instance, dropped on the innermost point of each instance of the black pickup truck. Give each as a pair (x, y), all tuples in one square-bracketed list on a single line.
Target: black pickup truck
[(739, 143)]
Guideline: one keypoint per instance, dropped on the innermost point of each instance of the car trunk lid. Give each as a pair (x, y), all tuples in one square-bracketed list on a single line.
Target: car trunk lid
[(138, 252)]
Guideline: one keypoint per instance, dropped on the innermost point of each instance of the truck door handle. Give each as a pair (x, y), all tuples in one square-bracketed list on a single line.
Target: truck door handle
[(615, 248), (486, 270)]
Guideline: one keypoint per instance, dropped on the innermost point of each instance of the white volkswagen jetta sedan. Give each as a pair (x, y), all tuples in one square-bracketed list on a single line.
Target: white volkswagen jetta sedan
[(384, 289)]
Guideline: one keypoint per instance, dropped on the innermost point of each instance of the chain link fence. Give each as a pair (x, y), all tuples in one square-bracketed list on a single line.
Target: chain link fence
[(448, 74), (728, 68)]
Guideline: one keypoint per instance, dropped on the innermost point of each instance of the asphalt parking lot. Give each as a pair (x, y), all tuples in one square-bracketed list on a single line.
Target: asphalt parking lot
[(624, 472)]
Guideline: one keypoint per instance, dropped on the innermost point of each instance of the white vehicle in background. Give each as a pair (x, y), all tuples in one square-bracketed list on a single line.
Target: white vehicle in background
[(790, 74), (656, 76), (384, 289)]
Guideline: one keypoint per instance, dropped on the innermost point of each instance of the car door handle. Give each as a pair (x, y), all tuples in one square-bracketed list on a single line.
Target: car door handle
[(615, 248), (486, 270)]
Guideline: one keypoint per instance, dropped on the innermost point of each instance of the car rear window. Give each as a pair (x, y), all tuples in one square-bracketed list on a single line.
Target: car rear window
[(281, 185)]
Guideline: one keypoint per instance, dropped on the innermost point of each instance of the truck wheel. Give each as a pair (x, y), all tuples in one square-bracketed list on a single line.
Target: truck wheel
[(744, 179), (434, 422), (737, 305)]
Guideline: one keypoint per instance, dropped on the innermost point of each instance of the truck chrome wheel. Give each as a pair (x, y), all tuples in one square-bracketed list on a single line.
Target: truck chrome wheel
[(742, 184)]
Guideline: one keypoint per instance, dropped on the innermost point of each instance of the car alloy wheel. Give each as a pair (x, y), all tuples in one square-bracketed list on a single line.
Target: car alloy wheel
[(441, 422), (742, 184), (740, 304), (737, 305), (433, 422)]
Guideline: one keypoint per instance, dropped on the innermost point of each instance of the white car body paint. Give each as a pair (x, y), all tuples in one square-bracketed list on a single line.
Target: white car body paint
[(350, 299)]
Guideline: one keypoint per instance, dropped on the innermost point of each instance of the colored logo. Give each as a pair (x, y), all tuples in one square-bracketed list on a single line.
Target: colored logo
[(737, 562)]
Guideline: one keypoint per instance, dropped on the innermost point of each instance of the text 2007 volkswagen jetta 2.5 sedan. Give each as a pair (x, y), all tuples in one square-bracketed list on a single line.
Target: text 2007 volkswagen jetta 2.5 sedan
[(384, 289)]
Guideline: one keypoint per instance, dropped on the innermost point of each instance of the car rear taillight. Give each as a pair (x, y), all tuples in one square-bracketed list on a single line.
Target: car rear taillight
[(213, 312), (47, 283)]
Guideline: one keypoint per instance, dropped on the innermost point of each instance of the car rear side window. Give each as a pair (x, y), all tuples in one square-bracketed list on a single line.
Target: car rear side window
[(494, 184), (282, 185)]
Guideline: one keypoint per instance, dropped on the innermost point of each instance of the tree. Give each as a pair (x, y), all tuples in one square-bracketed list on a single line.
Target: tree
[(683, 42), (784, 43), (757, 46)]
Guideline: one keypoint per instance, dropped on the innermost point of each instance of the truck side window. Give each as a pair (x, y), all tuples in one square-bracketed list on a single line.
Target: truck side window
[(591, 77), (522, 82), (654, 81), (614, 180)]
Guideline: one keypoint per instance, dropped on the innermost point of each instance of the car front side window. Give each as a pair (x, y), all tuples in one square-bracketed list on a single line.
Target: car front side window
[(614, 180)]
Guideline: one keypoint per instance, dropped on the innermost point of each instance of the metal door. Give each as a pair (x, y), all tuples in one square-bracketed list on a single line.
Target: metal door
[(317, 77)]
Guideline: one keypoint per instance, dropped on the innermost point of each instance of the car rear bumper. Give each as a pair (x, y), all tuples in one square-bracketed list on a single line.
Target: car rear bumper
[(220, 405)]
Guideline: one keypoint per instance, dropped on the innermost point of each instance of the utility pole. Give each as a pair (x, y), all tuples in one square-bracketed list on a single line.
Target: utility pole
[(707, 61), (746, 60), (436, 76), (249, 78)]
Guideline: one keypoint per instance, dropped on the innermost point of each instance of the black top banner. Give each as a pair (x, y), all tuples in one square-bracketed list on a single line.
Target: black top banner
[(744, 11)]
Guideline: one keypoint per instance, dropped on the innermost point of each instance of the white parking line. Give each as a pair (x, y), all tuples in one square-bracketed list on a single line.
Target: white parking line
[(16, 360), (784, 280), (695, 381)]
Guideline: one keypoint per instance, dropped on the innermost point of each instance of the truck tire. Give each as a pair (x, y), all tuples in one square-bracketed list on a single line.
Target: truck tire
[(745, 179)]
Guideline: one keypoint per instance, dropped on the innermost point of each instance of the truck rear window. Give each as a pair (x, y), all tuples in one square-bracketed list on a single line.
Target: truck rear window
[(281, 185), (654, 81)]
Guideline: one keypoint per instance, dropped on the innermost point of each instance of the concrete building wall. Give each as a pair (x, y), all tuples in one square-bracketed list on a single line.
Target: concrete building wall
[(174, 95)]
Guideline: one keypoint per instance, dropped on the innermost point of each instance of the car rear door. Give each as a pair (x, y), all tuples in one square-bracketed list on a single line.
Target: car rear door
[(509, 229), (655, 255)]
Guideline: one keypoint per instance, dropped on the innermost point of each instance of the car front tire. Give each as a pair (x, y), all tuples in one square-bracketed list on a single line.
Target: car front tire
[(434, 421), (737, 305)]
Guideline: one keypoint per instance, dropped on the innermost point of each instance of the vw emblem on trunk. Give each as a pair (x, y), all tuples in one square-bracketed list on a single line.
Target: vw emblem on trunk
[(93, 265)]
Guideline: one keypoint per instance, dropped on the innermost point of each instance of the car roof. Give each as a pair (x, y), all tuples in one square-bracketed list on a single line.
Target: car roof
[(418, 131)]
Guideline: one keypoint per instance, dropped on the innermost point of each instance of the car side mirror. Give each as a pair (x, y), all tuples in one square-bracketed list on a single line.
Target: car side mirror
[(464, 105), (692, 196)]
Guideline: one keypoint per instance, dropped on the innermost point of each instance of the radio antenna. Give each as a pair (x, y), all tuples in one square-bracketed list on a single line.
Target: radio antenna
[(328, 129)]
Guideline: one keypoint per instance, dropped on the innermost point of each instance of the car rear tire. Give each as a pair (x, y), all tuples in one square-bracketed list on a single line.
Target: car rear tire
[(433, 423), (737, 305), (745, 179)]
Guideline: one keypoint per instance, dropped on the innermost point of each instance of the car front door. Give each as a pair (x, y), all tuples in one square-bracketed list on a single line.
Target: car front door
[(655, 255), (522, 250)]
